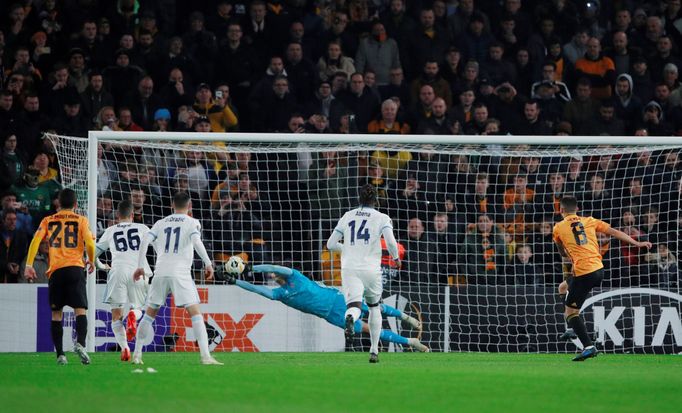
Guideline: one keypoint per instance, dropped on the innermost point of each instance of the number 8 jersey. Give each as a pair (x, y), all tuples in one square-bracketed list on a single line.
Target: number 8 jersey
[(172, 241), (578, 235), (123, 240), (362, 229)]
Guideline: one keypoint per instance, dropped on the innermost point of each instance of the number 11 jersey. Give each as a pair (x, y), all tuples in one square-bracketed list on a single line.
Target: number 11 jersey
[(172, 240), (361, 228), (578, 235)]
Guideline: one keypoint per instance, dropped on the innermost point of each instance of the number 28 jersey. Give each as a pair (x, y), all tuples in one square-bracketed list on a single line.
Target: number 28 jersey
[(578, 235), (66, 233), (361, 229), (123, 240), (172, 240)]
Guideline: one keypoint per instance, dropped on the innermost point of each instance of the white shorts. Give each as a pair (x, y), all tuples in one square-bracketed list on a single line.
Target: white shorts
[(123, 290), (358, 283), (183, 288)]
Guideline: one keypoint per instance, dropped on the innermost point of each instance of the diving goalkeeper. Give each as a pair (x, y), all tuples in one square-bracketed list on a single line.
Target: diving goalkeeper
[(299, 292)]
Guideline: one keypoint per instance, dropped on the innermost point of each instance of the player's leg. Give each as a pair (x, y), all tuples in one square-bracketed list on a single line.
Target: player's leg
[(373, 291), (391, 337), (575, 297), (388, 311), (116, 295), (569, 334), (56, 300), (120, 332), (78, 300), (158, 291), (186, 295), (137, 294), (352, 292)]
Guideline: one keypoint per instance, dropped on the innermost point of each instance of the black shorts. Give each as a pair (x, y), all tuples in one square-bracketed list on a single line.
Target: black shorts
[(579, 288), (67, 287)]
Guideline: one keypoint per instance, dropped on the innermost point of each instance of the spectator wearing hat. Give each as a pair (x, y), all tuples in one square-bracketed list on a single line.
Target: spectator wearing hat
[(507, 106), (78, 76), (475, 41), (642, 85), (162, 119), (671, 79), (202, 124), (220, 115), (71, 121), (654, 121), (201, 45), (551, 107), (122, 78)]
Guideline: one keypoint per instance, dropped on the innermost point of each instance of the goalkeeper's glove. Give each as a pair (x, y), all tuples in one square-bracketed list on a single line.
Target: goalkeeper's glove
[(224, 276)]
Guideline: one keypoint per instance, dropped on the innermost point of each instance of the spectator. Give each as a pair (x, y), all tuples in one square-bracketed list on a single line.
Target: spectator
[(388, 122), (582, 110), (13, 160), (551, 107), (321, 103), (334, 61), (507, 106), (95, 97), (121, 78), (40, 265), (598, 68), (481, 201), (41, 163), (300, 72), (341, 33), (162, 119), (419, 254), (143, 103), (378, 52), (653, 119), (621, 54), (459, 20), (546, 255), (177, 91), (532, 124), (175, 57), (35, 199), (444, 247), (438, 123), (201, 45), (430, 76), (560, 90), (428, 41), (463, 113), (220, 115), (524, 72), (478, 121), (663, 267), (523, 270), (577, 47), (278, 106), (125, 121), (606, 123), (71, 121), (597, 201), (626, 104), (497, 69), (662, 57), (358, 99), (92, 46), (483, 253), (398, 23), (475, 41), (518, 203), (421, 109), (13, 249), (410, 200)]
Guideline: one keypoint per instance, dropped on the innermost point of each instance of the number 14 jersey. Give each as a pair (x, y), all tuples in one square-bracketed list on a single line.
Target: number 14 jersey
[(578, 235), (362, 229), (172, 238)]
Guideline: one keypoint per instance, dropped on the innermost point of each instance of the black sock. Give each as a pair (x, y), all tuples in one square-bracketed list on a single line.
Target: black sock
[(81, 328), (576, 323), (57, 337)]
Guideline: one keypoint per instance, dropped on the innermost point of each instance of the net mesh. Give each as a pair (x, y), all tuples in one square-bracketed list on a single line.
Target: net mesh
[(474, 223)]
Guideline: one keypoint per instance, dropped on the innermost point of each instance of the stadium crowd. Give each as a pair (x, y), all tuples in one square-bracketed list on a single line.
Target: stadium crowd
[(540, 67)]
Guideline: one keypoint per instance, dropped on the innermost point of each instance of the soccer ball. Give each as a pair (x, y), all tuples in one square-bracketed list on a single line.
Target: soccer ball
[(235, 265)]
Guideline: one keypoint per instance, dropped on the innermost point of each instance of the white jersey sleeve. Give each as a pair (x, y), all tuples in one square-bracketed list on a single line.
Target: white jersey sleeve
[(362, 228), (172, 241), (123, 240)]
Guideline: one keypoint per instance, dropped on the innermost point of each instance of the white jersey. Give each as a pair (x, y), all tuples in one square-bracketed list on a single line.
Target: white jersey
[(172, 241), (362, 229), (123, 240)]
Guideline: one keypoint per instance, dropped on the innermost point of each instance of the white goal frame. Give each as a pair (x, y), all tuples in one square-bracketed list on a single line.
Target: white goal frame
[(95, 136)]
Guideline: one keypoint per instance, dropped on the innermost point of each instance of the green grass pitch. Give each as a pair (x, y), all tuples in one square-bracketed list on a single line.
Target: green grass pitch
[(343, 382)]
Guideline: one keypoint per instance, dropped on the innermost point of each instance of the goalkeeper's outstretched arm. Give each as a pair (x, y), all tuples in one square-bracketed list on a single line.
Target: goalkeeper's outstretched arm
[(283, 272), (258, 289)]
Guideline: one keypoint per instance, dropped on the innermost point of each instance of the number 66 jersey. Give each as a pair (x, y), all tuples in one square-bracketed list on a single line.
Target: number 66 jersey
[(123, 240)]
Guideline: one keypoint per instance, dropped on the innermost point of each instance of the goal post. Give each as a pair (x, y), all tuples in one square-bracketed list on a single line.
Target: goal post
[(468, 288)]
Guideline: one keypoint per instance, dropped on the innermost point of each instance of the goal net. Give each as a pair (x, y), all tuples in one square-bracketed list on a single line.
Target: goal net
[(474, 223)]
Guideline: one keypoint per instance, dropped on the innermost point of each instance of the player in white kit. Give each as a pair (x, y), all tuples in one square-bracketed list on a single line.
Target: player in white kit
[(123, 291), (361, 230), (174, 238)]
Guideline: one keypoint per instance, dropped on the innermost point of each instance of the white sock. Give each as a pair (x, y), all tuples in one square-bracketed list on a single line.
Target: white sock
[(374, 328), (119, 333), (354, 312), (200, 335), (138, 314), (145, 333)]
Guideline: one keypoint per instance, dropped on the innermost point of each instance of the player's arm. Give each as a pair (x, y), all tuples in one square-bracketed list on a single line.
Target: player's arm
[(283, 272), (258, 289), (391, 244), (201, 251), (620, 235), (142, 256), (334, 241), (90, 248), (100, 248), (29, 272)]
